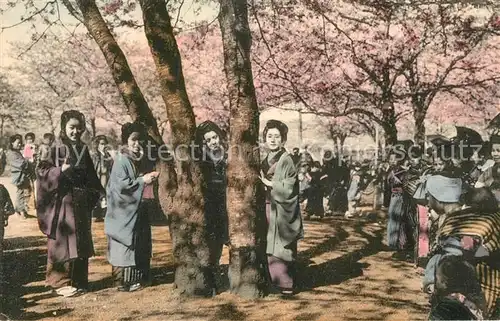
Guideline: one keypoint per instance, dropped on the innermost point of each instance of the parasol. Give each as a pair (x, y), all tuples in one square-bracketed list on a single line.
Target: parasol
[(438, 140), (468, 136)]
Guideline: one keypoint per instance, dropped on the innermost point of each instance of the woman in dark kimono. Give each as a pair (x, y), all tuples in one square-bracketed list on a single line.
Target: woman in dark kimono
[(68, 191), (315, 192), (22, 173), (127, 223), (279, 176), (402, 209), (213, 163)]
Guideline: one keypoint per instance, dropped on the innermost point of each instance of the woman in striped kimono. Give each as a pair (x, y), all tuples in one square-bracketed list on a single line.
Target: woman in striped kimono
[(471, 232), (126, 223)]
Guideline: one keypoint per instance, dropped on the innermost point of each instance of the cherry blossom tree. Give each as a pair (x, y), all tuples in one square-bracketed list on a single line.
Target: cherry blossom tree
[(318, 54), (9, 102)]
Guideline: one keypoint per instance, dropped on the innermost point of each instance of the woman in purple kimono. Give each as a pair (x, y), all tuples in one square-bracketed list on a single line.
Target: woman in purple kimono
[(126, 223), (68, 190), (279, 176)]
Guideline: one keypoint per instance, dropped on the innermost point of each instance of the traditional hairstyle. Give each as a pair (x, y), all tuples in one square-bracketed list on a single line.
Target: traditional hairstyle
[(206, 127), (481, 199), (485, 150), (280, 126), (13, 138), (98, 138), (65, 118), (29, 135), (495, 139), (135, 127)]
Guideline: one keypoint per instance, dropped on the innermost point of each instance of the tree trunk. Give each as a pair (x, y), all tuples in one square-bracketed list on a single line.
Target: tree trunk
[(193, 275), (419, 117), (93, 127), (245, 205), (301, 129), (137, 106), (1, 126), (389, 124)]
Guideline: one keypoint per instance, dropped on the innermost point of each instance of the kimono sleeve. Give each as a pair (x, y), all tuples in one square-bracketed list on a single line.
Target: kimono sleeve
[(124, 181), (49, 179), (6, 201), (285, 189)]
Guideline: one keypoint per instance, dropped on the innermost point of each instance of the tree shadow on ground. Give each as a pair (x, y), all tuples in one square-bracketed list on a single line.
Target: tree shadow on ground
[(339, 269), (24, 263)]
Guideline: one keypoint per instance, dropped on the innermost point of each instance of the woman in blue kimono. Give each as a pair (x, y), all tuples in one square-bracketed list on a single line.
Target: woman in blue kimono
[(22, 172), (126, 223), (279, 176)]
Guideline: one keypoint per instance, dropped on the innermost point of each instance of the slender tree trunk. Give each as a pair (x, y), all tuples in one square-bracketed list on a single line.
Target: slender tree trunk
[(193, 274), (136, 105), (419, 118), (342, 139), (301, 129), (245, 203), (389, 123), (1, 126), (93, 127)]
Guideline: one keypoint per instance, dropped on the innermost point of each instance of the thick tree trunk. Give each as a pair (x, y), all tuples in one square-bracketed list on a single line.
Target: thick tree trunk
[(245, 205), (193, 275), (137, 106)]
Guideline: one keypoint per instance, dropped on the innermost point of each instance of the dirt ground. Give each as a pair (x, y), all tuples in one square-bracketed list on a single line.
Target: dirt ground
[(345, 274)]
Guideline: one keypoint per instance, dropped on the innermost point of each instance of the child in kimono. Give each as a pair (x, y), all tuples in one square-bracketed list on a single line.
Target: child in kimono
[(30, 153), (45, 147), (30, 149)]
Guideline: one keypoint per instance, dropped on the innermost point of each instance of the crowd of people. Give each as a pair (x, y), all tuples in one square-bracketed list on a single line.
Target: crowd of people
[(442, 205)]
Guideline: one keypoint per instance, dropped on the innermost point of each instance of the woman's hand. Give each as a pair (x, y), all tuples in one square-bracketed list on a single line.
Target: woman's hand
[(65, 167), (149, 178)]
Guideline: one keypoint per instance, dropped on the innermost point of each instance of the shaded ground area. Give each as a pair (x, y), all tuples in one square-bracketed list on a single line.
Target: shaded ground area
[(345, 275)]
